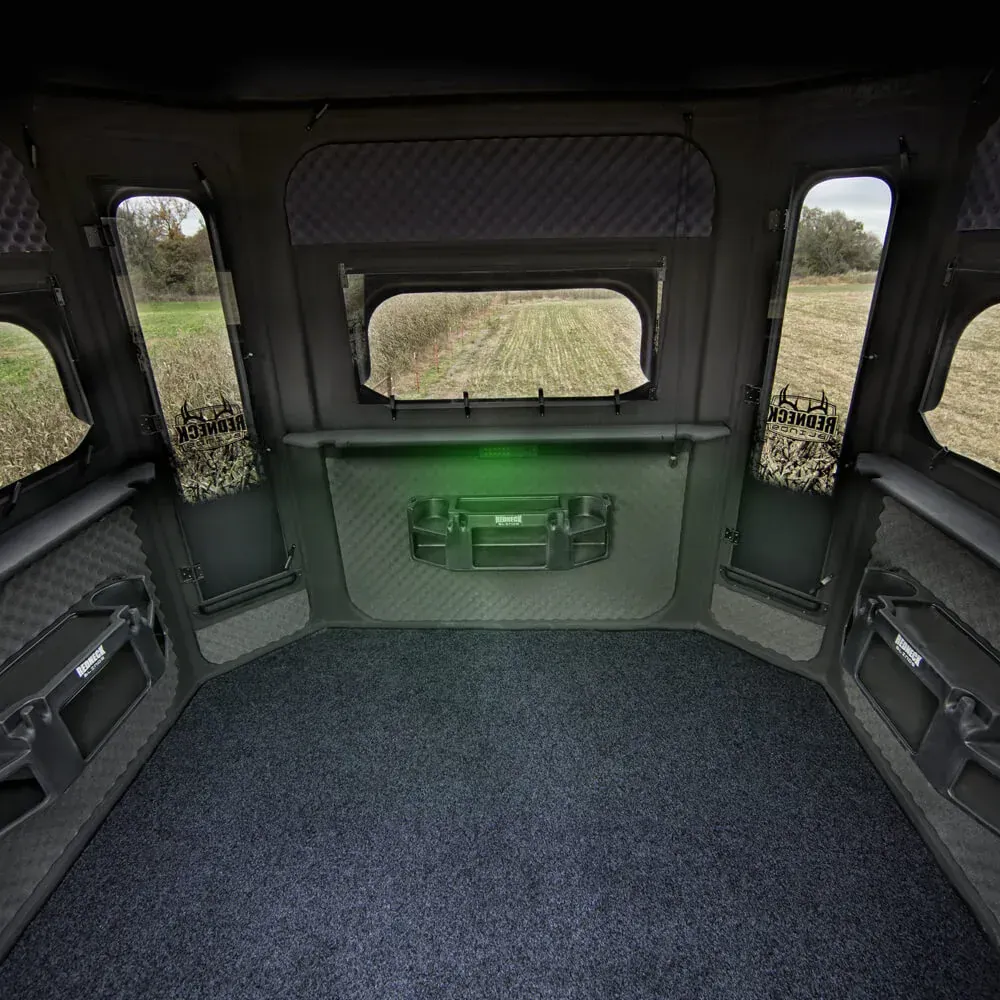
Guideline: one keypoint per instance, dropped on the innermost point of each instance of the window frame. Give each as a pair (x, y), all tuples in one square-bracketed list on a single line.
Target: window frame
[(36, 311), (782, 284), (972, 292), (114, 196), (383, 283)]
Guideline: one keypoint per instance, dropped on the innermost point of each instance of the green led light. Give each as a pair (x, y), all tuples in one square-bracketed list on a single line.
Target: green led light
[(509, 451)]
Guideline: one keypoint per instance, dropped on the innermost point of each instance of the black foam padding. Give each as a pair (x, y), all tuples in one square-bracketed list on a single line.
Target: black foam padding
[(21, 227), (548, 187), (981, 205), (506, 814)]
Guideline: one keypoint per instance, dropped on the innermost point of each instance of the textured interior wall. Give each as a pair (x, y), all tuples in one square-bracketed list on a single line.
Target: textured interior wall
[(21, 227), (254, 628), (766, 624), (967, 585), (971, 589), (548, 187), (30, 601), (370, 495)]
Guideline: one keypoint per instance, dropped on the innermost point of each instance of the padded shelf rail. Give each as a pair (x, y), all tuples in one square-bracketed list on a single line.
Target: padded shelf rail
[(68, 690), (935, 683), (491, 533)]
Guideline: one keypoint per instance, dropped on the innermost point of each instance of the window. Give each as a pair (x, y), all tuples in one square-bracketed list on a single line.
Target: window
[(568, 342), (966, 420), (184, 332), (37, 426), (835, 262)]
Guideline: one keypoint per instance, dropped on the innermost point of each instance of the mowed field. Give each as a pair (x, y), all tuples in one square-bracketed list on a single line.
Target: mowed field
[(505, 346)]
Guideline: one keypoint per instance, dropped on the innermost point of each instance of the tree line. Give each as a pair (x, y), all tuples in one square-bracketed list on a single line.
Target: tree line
[(830, 243), (165, 263)]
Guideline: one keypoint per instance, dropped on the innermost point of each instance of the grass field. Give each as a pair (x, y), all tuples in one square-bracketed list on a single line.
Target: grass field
[(506, 344)]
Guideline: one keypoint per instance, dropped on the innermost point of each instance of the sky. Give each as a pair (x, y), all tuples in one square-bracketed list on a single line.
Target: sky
[(865, 198)]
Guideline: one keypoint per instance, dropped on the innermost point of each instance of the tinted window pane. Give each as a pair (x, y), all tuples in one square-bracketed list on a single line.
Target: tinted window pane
[(568, 342), (172, 273), (37, 427), (967, 420), (838, 247)]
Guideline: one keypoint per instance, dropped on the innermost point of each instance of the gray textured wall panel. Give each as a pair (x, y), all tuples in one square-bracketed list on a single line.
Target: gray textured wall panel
[(21, 227), (29, 602), (981, 205), (255, 628), (966, 584), (974, 848), (369, 501), (767, 625), (549, 187)]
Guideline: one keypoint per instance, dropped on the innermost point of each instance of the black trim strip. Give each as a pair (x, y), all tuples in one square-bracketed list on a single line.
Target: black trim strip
[(391, 437), (27, 542), (937, 505)]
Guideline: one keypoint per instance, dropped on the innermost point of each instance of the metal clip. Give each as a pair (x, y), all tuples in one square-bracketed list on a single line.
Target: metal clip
[(465, 404), (618, 403), (541, 402), (392, 406)]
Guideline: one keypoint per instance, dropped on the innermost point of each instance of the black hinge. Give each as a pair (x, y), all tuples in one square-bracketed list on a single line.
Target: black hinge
[(731, 535), (99, 236), (751, 394), (191, 574), (152, 423), (777, 220), (57, 292)]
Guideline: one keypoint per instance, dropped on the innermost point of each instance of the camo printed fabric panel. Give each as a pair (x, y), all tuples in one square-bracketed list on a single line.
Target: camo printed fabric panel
[(566, 187), (21, 227), (981, 206)]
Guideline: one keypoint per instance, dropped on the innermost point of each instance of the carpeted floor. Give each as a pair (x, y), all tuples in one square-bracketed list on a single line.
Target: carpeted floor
[(403, 814)]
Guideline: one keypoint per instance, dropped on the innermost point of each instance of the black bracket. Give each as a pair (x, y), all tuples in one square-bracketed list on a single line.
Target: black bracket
[(618, 403), (191, 574), (392, 406), (904, 156), (541, 402), (732, 536), (751, 394), (11, 502), (465, 404)]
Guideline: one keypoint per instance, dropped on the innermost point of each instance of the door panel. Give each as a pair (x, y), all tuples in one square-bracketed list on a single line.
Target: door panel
[(370, 495)]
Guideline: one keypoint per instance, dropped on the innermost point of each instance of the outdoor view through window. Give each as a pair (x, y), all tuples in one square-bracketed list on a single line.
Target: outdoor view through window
[(507, 344), (37, 427), (838, 248), (172, 273)]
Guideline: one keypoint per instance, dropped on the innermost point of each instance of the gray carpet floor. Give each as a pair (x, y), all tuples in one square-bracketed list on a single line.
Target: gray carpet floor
[(417, 814)]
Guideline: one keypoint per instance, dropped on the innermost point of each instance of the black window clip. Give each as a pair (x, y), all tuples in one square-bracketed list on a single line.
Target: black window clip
[(465, 404), (618, 403), (541, 402), (392, 406)]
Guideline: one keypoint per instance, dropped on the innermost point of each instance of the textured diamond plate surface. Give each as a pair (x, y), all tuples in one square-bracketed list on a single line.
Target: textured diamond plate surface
[(369, 501), (29, 602), (568, 187), (234, 637), (21, 227), (967, 585), (981, 205), (768, 626)]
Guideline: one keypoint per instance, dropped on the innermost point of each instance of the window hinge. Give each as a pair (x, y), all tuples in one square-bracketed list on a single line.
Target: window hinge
[(949, 271), (152, 423), (777, 220), (191, 574), (751, 394), (57, 292), (731, 535), (99, 236)]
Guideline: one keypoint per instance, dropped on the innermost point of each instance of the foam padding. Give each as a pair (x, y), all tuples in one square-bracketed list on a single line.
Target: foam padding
[(370, 496), (29, 602), (981, 205), (21, 227), (548, 187)]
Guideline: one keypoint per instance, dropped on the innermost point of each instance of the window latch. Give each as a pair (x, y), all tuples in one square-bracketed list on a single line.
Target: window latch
[(751, 395)]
